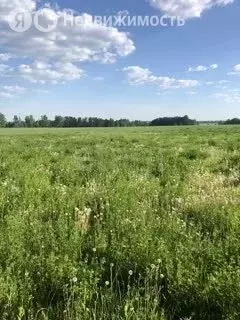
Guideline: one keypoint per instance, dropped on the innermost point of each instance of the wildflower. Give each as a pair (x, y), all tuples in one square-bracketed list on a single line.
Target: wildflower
[(111, 265), (83, 218), (107, 283), (130, 272), (103, 261), (74, 280), (94, 249)]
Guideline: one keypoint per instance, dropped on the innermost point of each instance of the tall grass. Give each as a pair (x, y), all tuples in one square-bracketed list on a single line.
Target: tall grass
[(120, 224)]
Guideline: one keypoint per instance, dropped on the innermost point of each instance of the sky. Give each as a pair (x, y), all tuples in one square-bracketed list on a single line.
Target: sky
[(185, 61)]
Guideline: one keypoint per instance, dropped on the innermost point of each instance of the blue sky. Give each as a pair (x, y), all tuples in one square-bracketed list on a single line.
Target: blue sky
[(118, 71)]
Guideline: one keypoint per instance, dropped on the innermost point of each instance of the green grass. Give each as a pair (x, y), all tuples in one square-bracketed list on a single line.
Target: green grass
[(135, 223)]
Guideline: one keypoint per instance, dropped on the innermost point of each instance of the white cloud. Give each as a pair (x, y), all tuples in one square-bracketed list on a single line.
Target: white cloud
[(137, 75), (219, 84), (4, 69), (235, 71), (5, 95), (203, 68), (98, 78), (8, 92), (54, 57), (192, 93), (141, 76), (9, 6), (210, 83), (84, 42), (6, 56), (197, 69), (123, 13), (213, 66), (230, 96), (224, 81), (187, 8), (42, 91), (42, 72)]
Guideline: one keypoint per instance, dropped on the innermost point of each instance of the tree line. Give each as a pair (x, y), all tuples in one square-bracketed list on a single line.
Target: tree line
[(78, 122), (231, 121), (66, 122), (171, 121)]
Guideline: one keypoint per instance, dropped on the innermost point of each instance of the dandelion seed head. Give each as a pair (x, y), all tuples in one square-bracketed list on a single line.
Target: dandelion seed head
[(130, 272), (74, 279)]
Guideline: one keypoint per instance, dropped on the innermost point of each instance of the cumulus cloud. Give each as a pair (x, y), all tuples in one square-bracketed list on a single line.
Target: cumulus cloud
[(85, 41), (187, 8), (230, 96), (8, 7), (6, 56), (213, 66), (235, 71), (219, 84), (203, 68), (4, 69), (42, 72), (54, 57), (141, 76), (11, 91)]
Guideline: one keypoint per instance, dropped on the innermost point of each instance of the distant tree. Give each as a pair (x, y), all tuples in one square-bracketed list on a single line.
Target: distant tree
[(29, 121), (79, 122), (85, 122), (44, 122), (70, 122), (58, 121), (111, 123), (173, 121), (17, 122), (232, 121), (3, 120)]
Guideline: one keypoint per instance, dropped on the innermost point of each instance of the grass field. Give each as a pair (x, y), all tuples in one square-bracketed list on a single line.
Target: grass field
[(135, 223)]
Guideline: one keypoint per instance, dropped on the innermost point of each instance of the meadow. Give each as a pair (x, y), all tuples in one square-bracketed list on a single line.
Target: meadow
[(107, 224)]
